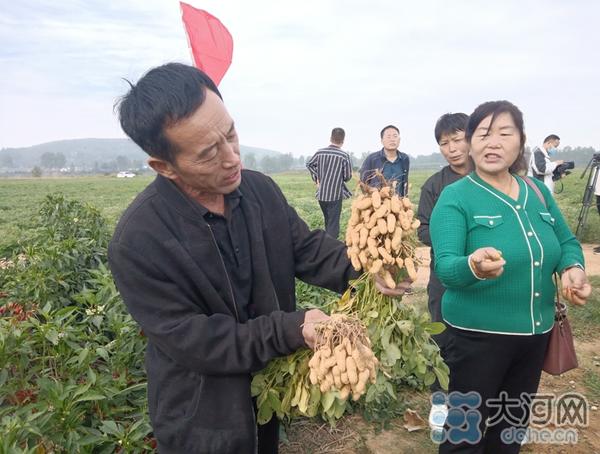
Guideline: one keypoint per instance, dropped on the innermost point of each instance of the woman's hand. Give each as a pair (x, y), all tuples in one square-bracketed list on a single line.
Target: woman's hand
[(487, 263), (575, 286)]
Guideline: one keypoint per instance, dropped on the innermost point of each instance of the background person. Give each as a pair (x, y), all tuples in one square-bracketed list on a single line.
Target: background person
[(500, 307), (597, 194), (389, 160), (330, 168), (450, 135), (205, 259), (540, 164)]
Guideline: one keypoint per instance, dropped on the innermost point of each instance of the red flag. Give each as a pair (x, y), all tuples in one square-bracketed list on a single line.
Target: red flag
[(210, 41)]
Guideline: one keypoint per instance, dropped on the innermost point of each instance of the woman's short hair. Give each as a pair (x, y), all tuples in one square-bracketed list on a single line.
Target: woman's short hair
[(495, 108)]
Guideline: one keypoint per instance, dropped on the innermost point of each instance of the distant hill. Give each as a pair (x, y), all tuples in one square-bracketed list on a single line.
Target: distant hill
[(89, 154)]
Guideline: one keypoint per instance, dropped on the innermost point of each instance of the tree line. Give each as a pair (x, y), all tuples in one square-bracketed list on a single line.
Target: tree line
[(54, 162)]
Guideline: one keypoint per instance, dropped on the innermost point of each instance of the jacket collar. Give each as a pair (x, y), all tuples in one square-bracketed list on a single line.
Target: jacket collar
[(178, 200), (263, 291), (382, 156)]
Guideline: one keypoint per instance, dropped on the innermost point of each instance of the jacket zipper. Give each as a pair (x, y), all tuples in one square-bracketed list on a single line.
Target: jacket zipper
[(237, 317)]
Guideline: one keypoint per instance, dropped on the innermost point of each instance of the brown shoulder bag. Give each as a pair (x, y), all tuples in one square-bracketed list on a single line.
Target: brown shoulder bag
[(560, 353)]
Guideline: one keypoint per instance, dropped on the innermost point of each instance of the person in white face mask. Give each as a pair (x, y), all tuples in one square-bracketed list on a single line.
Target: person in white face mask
[(540, 164)]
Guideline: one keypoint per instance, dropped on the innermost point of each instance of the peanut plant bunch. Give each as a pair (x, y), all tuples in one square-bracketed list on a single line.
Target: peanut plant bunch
[(380, 232), (343, 359), (374, 344), (400, 340)]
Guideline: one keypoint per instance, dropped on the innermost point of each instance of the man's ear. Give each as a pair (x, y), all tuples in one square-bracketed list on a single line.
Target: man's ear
[(162, 167)]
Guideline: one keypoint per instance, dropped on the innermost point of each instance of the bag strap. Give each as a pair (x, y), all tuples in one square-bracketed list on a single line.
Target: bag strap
[(561, 308), (537, 191)]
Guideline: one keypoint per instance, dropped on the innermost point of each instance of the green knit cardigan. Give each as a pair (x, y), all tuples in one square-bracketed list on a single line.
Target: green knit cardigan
[(535, 242)]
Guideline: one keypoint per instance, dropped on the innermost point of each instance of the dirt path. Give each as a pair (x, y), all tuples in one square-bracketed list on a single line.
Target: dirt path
[(354, 435)]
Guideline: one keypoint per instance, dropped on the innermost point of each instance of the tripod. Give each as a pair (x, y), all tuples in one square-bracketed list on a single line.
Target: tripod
[(588, 194)]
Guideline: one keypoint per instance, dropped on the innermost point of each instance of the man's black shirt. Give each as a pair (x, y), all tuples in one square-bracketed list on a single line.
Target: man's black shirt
[(231, 234)]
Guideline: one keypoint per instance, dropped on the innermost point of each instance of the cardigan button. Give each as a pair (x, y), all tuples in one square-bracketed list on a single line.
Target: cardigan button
[(491, 222), (536, 263), (537, 323), (536, 294), (529, 233), (518, 207)]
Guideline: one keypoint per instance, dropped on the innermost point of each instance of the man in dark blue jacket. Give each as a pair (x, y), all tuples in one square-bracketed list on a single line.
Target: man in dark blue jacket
[(390, 161), (205, 259)]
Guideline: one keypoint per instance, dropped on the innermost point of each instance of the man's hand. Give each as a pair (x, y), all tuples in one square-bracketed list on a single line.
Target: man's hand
[(312, 318), (399, 290), (559, 162), (487, 263), (575, 286)]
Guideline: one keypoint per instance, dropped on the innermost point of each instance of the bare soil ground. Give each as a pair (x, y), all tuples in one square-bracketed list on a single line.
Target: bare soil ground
[(354, 435)]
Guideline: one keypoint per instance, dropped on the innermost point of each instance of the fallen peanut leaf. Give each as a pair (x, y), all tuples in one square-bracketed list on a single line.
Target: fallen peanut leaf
[(412, 421)]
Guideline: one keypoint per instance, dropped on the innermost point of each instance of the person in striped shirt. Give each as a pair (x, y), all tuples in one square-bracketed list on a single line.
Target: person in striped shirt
[(330, 168)]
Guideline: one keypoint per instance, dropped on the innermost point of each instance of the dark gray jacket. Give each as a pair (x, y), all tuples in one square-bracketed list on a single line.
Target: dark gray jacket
[(430, 193), (199, 358)]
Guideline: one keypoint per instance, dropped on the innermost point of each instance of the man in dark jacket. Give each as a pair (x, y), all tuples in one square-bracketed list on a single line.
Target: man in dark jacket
[(205, 259), (450, 136), (390, 161)]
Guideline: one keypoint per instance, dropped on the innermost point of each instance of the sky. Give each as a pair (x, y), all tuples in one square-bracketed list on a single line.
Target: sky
[(302, 68)]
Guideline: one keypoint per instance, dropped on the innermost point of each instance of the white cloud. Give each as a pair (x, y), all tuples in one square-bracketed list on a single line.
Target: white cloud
[(301, 68)]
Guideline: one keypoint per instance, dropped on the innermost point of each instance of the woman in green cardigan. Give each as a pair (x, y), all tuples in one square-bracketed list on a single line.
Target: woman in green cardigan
[(497, 245)]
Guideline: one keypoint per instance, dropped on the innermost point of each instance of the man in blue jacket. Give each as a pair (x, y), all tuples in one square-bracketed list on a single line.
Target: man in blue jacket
[(390, 161)]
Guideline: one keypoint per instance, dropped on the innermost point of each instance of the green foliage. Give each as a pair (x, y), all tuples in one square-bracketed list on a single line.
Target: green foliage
[(68, 349), (70, 241), (283, 389), (71, 357), (49, 160), (20, 199), (591, 380), (311, 297)]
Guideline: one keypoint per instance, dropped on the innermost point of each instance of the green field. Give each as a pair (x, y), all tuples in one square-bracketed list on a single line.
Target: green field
[(20, 199), (71, 370)]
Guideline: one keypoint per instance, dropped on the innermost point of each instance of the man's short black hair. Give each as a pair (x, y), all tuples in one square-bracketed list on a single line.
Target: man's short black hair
[(162, 97), (337, 135), (386, 128), (450, 123), (551, 137)]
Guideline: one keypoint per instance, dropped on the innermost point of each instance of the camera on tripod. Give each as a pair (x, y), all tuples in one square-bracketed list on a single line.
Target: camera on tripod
[(593, 177), (563, 169)]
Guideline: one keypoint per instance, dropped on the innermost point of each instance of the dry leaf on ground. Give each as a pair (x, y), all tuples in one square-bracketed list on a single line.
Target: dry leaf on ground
[(412, 421)]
